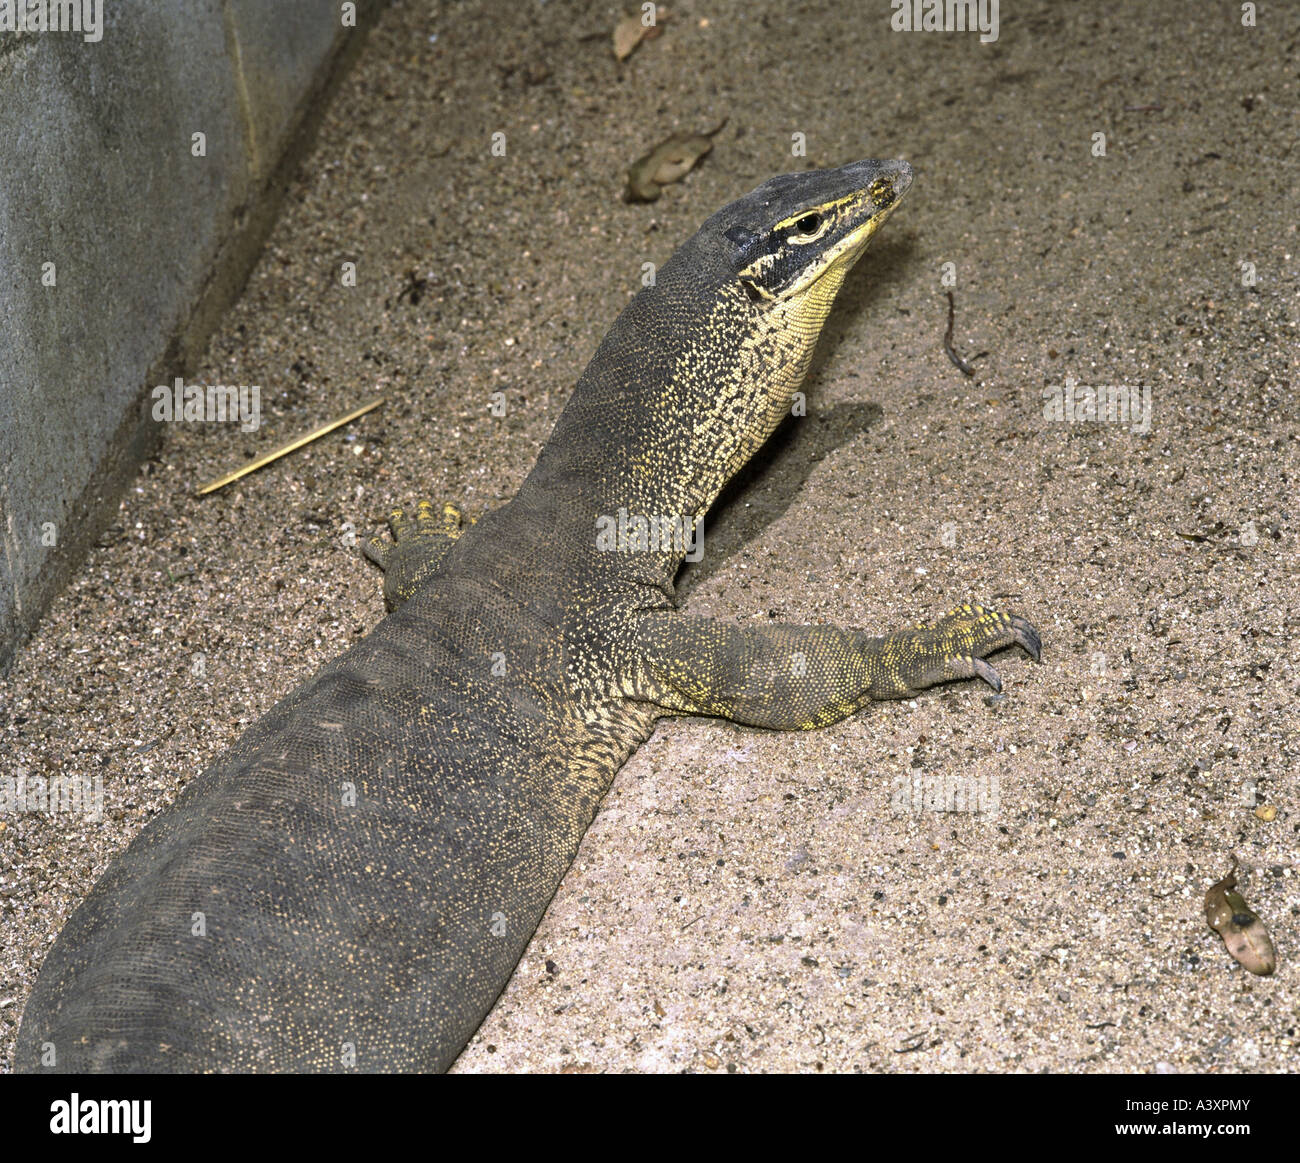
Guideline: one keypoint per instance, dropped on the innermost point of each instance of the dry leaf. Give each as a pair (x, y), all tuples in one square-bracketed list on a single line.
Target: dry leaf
[(630, 31), (627, 35), (669, 161), (1242, 931)]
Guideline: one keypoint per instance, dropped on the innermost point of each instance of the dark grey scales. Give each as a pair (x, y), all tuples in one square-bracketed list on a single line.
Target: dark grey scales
[(372, 857)]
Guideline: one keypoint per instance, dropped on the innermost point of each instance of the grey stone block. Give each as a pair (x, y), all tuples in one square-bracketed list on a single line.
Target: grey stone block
[(119, 249)]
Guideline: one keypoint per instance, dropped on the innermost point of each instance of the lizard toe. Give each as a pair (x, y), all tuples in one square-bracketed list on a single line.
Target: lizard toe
[(1027, 638), (398, 523), (983, 670), (376, 549)]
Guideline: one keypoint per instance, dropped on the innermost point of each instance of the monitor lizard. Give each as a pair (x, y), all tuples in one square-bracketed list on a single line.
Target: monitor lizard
[(351, 885)]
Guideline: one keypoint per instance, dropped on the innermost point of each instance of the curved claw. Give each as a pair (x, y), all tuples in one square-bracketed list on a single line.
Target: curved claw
[(1027, 638), (983, 670)]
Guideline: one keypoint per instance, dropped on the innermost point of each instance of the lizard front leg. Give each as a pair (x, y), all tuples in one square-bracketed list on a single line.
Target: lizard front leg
[(799, 677), (416, 550)]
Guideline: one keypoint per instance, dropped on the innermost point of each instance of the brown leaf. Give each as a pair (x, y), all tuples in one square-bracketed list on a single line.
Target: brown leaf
[(627, 35), (630, 31), (1242, 931)]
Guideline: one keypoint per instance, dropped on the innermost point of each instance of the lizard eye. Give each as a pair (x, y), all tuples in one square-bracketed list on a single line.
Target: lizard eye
[(809, 224)]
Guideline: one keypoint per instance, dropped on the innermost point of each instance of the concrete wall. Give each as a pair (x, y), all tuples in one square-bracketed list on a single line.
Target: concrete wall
[(148, 243)]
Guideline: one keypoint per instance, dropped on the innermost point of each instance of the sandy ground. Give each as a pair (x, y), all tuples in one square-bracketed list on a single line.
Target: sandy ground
[(751, 901)]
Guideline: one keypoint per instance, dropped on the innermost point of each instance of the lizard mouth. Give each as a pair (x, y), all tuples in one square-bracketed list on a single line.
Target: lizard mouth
[(875, 203)]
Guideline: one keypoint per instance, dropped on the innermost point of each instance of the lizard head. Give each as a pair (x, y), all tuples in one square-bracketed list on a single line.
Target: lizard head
[(796, 236), (735, 315), (703, 364)]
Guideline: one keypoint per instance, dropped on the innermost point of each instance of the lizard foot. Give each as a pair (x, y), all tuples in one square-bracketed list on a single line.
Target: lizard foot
[(416, 549), (955, 646)]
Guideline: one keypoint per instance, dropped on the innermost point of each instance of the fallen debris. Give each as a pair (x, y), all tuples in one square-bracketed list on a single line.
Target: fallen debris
[(292, 446), (630, 31), (1242, 931), (670, 161), (960, 364)]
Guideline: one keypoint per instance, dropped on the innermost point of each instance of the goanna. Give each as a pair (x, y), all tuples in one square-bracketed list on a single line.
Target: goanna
[(352, 884)]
